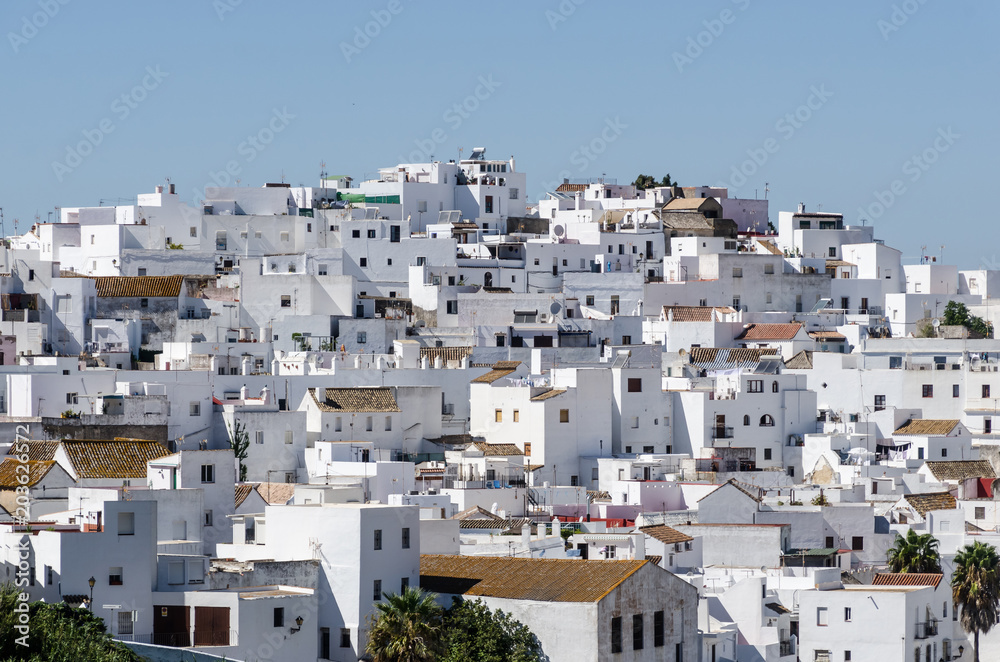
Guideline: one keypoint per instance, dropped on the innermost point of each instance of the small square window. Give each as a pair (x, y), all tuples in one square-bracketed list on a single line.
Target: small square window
[(345, 637), (115, 576), (564, 415), (355, 234), (208, 473), (371, 234), (194, 408), (286, 300), (279, 617), (363, 262)]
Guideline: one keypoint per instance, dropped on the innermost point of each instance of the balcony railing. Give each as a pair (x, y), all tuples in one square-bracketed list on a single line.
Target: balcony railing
[(719, 432), (927, 629), (785, 648)]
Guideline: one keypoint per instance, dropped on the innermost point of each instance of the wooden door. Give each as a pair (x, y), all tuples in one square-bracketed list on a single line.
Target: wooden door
[(172, 625), (211, 626)]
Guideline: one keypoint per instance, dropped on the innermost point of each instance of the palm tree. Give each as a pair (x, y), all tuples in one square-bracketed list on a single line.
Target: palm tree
[(914, 553), (975, 587), (406, 627)]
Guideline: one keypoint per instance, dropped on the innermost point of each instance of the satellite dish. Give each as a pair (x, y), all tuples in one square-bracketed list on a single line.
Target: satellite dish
[(682, 352), (936, 323), (763, 569), (558, 230), (555, 308)]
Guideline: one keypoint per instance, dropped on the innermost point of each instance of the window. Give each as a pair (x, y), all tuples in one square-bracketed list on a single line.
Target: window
[(406, 537), (368, 424), (614, 304), (289, 437), (736, 303), (498, 415), (737, 272), (833, 251), (755, 386), (746, 419), (31, 274), (986, 390), (378, 539), (626, 340), (208, 518), (377, 590), (821, 616), (286, 301), (321, 270), (126, 524), (954, 390), (879, 402), (338, 424), (284, 236), (513, 193), (345, 637), (72, 398), (527, 449), (362, 337), (927, 390), (564, 415), (857, 543), (194, 408), (987, 429), (208, 473), (847, 614), (635, 385), (115, 576), (371, 234), (657, 629), (980, 512), (766, 421), (767, 453), (355, 234), (259, 436), (404, 584), (363, 262), (590, 299), (616, 634), (637, 632), (774, 387), (452, 307), (769, 268), (635, 422), (279, 617), (517, 416)]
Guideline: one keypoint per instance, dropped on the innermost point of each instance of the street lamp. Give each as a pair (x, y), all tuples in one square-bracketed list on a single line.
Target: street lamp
[(91, 581), (298, 623)]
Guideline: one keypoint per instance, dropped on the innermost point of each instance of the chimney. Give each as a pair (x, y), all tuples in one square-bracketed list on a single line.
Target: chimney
[(802, 207)]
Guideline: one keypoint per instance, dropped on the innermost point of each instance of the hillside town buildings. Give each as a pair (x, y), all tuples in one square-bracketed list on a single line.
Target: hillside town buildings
[(659, 424)]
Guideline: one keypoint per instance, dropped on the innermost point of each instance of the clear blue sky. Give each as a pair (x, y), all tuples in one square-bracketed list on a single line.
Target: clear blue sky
[(626, 81)]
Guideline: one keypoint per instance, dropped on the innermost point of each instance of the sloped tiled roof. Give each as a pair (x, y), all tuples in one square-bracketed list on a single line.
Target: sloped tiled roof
[(735, 483), (11, 477), (665, 534), (500, 370), (544, 580), (924, 503), (446, 353), (121, 458), (276, 494), (551, 393), (243, 490), (571, 188), (770, 331), (497, 450), (361, 399), (695, 313), (927, 426), (827, 335), (139, 286), (961, 469), (37, 450), (907, 579), (729, 357), (801, 361), (685, 204)]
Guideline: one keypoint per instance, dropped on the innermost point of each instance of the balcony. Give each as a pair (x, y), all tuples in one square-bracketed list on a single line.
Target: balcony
[(785, 649), (722, 433), (926, 629)]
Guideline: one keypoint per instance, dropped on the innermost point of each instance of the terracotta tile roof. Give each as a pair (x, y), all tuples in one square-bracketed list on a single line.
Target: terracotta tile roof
[(571, 188), (927, 426), (276, 494), (685, 204), (655, 559), (446, 353), (498, 290), (497, 450), (839, 263), (362, 399), (11, 476), (961, 469), (551, 393), (907, 579), (827, 335), (924, 503), (121, 458), (801, 361), (496, 524), (500, 370), (243, 490), (725, 356), (665, 534), (139, 286), (695, 313), (475, 511), (464, 226), (38, 450), (544, 580), (770, 331), (598, 495)]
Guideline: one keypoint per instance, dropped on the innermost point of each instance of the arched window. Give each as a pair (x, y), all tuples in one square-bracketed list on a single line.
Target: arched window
[(488, 282), (774, 387), (766, 421), (746, 419)]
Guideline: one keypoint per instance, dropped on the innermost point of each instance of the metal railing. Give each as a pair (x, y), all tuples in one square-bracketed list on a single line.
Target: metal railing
[(719, 432), (926, 629)]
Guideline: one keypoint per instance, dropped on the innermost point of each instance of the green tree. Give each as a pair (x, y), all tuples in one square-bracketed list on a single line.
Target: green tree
[(57, 633), (643, 182), (914, 553), (474, 633), (239, 441), (406, 627), (957, 314), (975, 587)]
